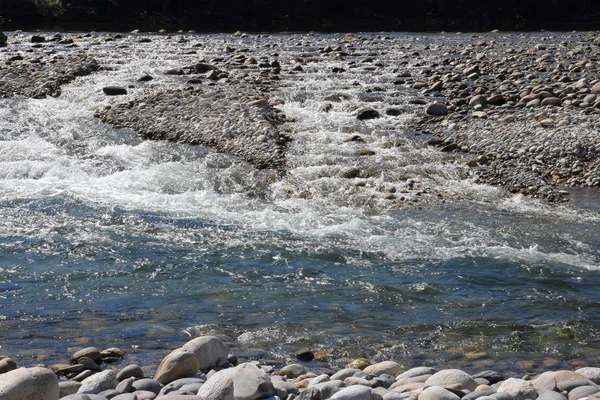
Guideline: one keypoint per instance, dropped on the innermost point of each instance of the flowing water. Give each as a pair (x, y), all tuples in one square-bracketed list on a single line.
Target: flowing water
[(107, 240)]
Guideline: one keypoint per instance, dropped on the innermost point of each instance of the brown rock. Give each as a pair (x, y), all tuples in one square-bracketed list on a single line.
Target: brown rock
[(89, 352), (178, 364), (7, 364)]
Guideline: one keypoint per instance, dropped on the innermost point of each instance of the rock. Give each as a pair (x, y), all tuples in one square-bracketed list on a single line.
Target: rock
[(547, 123), (583, 391), (68, 387), (570, 385), (219, 386), (518, 389), (145, 395), (345, 373), (251, 383), (114, 90), (353, 393), (552, 101), (90, 352), (319, 379), (496, 100), (209, 350), (454, 378), (7, 364), (147, 384), (491, 376), (436, 86), (417, 371), (384, 367), (99, 382), (260, 103), (37, 39), (596, 88), (305, 355), (125, 385), (83, 397), (437, 393), (179, 397), (359, 363), (29, 383), (125, 396), (310, 394), (551, 396), (478, 393), (292, 370), (178, 364), (145, 78), (87, 363), (3, 39), (478, 100), (591, 373), (437, 109), (328, 389), (354, 380), (129, 371), (368, 114), (113, 352)]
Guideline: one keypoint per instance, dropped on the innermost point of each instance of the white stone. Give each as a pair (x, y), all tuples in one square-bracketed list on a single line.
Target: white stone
[(29, 383), (592, 373), (99, 382), (454, 378), (437, 393), (219, 386), (353, 393), (519, 389), (209, 350), (417, 371), (251, 383)]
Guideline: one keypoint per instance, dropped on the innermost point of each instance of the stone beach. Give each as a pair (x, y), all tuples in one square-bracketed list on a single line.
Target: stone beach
[(204, 369)]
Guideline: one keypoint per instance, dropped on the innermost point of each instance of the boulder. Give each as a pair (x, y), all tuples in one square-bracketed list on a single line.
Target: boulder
[(129, 371), (68, 387), (219, 386), (7, 364), (209, 350), (328, 389), (251, 383), (99, 382), (292, 370), (90, 352), (583, 391), (558, 376), (353, 393), (147, 384), (452, 378), (592, 373), (29, 383), (437, 393), (384, 367), (437, 109), (519, 389), (417, 371), (178, 364), (3, 39)]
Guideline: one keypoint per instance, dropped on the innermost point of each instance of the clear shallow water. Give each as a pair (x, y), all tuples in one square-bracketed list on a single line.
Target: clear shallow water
[(109, 241)]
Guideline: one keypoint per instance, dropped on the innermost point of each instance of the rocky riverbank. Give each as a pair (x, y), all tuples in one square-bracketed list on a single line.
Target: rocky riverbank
[(519, 111), (204, 369)]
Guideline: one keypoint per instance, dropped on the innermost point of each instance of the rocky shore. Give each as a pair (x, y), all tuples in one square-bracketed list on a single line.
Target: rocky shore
[(204, 369)]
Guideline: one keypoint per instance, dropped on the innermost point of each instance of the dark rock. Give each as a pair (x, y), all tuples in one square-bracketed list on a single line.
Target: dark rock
[(114, 90), (38, 39), (305, 355), (3, 39), (437, 109), (368, 114)]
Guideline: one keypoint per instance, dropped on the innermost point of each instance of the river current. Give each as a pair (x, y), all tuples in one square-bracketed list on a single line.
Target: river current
[(107, 240)]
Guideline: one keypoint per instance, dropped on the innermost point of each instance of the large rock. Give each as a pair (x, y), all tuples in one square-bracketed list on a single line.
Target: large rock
[(452, 378), (148, 385), (592, 373), (353, 393), (7, 364), (519, 389), (99, 382), (209, 350), (437, 393), (178, 364), (129, 371), (29, 383), (251, 383), (583, 391), (558, 376), (417, 371), (219, 386), (3, 39), (89, 352), (68, 387), (328, 389), (384, 367)]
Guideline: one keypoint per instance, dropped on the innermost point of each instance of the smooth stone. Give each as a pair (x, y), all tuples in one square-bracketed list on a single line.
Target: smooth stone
[(454, 378), (29, 383), (260, 103), (395, 396), (559, 376), (384, 367), (547, 385), (353, 393), (88, 363), (573, 384), (68, 387), (178, 364), (437, 393), (583, 391), (147, 384), (491, 376), (179, 397), (289, 387), (437, 109), (519, 389), (112, 352), (478, 393), (417, 371), (551, 396), (319, 379), (359, 363), (125, 385), (90, 352), (180, 383), (114, 91), (353, 380), (496, 100), (592, 373), (129, 371), (99, 382), (251, 383), (219, 386), (292, 370), (596, 88), (310, 394), (345, 373), (82, 376), (502, 396), (145, 395), (83, 397), (368, 114), (328, 389), (409, 387), (551, 101), (533, 103), (125, 396), (209, 350), (6, 365), (478, 100), (109, 394)]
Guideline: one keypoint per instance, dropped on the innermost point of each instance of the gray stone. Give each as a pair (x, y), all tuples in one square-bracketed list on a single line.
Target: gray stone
[(583, 391), (147, 384), (109, 394), (353, 380), (89, 352), (395, 396), (592, 373), (179, 397), (251, 383), (417, 371), (178, 364), (129, 371), (345, 373), (437, 109), (29, 383), (551, 101), (83, 375), (68, 387), (478, 100), (289, 387), (99, 382), (145, 395), (353, 393), (551, 396), (437, 393), (88, 363), (596, 88), (546, 385), (384, 367), (125, 385), (219, 386), (83, 397), (519, 389), (209, 350), (126, 396), (572, 384), (478, 393), (292, 370), (501, 396), (453, 378), (319, 379), (311, 393), (328, 389)]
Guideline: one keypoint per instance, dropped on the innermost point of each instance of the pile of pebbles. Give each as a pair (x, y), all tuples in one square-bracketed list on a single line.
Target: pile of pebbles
[(202, 369), (526, 106)]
